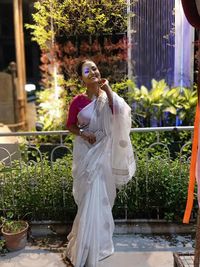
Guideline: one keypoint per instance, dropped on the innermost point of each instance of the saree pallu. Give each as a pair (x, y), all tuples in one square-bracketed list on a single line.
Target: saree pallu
[(97, 170)]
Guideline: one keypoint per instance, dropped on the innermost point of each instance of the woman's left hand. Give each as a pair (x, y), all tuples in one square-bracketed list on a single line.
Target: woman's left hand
[(89, 136), (104, 84)]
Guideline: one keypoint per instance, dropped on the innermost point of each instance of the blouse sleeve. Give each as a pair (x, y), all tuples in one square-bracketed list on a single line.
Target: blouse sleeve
[(73, 112)]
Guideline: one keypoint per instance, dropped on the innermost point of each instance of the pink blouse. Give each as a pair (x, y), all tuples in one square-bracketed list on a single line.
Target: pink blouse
[(77, 104)]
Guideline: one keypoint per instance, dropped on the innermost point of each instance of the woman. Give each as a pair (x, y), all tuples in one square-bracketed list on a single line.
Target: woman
[(102, 160)]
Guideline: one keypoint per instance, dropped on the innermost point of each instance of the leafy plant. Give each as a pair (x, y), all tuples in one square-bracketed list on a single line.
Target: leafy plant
[(76, 18), (160, 194), (66, 32), (39, 189), (9, 225), (3, 249), (13, 227), (188, 105), (161, 105)]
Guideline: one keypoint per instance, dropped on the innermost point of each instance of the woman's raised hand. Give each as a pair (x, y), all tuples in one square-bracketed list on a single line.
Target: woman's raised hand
[(104, 84)]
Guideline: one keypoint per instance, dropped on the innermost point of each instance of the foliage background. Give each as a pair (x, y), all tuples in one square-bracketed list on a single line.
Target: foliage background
[(67, 32)]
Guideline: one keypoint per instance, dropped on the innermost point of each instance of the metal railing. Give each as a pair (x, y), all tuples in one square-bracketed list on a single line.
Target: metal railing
[(36, 169)]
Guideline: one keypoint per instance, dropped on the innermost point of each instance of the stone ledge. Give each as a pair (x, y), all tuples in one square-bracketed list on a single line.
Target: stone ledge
[(43, 228)]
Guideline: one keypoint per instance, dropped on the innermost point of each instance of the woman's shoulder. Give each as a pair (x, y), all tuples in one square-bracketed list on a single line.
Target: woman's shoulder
[(80, 98)]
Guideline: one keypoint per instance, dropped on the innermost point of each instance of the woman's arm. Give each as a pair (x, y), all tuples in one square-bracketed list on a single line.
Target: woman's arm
[(106, 87), (88, 136), (73, 128)]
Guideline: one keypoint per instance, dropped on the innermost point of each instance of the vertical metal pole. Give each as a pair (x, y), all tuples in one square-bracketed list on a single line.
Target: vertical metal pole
[(20, 60)]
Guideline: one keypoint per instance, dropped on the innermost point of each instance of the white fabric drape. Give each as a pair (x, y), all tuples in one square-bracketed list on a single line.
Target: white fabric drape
[(97, 170), (123, 162)]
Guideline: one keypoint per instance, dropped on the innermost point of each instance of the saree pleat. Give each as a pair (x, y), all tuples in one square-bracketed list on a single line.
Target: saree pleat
[(93, 226)]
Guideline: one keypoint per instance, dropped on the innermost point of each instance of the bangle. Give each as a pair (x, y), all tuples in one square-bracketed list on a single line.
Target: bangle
[(81, 132)]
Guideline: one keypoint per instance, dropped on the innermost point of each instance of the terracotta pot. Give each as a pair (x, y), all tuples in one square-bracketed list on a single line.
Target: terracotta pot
[(16, 241)]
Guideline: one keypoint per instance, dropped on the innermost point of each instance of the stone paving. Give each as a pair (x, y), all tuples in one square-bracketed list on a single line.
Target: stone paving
[(130, 251)]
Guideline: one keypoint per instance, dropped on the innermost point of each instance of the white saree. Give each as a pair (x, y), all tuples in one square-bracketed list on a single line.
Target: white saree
[(97, 170)]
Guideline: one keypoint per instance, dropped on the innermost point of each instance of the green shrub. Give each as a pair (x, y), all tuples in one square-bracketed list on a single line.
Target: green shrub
[(157, 192), (43, 191), (39, 189)]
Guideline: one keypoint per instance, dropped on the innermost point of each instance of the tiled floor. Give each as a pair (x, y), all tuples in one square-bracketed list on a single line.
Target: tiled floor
[(130, 251)]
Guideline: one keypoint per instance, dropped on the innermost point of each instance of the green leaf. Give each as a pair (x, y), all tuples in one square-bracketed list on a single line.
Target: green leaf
[(171, 109)]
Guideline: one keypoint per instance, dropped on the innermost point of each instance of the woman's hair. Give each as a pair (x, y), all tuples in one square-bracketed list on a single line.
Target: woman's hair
[(80, 65)]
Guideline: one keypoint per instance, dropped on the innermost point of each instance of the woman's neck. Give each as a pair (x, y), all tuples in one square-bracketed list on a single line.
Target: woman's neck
[(93, 91)]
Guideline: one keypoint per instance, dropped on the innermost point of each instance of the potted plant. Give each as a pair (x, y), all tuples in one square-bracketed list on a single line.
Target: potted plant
[(14, 233)]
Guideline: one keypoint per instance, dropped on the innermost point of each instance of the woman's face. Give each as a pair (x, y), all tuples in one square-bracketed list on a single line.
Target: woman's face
[(90, 73)]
